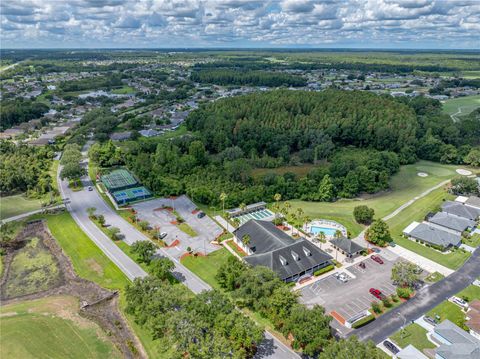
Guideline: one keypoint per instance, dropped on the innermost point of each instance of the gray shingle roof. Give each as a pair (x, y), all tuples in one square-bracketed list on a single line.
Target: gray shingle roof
[(435, 236), (460, 210), (292, 259), (473, 201), (452, 221), (264, 236), (347, 245), (464, 345)]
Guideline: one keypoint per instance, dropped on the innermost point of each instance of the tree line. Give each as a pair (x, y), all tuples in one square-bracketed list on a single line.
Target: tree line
[(19, 110), (253, 78)]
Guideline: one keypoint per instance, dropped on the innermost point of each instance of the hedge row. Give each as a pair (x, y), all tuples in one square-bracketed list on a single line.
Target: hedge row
[(363, 321), (323, 270)]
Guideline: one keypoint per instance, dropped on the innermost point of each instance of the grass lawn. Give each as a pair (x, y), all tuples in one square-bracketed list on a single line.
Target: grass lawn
[(123, 90), (14, 205), (434, 277), (448, 310), (467, 104), (473, 241), (206, 267), (90, 263), (472, 292), (184, 227), (413, 334), (416, 212), (40, 329), (405, 185)]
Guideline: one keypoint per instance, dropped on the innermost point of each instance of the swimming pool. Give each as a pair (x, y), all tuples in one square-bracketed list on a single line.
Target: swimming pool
[(330, 232)]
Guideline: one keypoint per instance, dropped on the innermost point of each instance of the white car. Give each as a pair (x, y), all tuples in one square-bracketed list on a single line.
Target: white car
[(342, 277), (460, 302)]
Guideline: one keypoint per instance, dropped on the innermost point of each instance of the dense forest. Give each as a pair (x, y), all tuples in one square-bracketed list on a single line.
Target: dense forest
[(254, 78), (19, 110), (353, 141), (97, 83), (25, 168)]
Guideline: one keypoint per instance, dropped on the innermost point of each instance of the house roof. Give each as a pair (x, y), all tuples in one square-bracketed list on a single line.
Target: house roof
[(473, 201), (452, 221), (463, 345), (432, 235), (264, 236), (460, 210), (290, 260), (347, 245), (474, 314), (410, 352)]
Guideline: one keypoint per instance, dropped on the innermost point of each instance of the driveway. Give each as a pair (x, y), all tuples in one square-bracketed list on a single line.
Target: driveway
[(426, 299)]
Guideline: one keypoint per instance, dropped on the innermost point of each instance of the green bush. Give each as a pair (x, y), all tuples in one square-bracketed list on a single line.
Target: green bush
[(395, 298), (323, 270), (404, 292), (376, 307), (363, 321), (386, 302)]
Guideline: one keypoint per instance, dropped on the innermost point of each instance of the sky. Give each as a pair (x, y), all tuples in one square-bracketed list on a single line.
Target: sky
[(421, 24)]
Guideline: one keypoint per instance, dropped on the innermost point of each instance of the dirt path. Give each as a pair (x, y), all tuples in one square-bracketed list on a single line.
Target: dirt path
[(96, 303)]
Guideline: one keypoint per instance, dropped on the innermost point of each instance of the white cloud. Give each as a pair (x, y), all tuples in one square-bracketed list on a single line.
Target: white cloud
[(184, 23)]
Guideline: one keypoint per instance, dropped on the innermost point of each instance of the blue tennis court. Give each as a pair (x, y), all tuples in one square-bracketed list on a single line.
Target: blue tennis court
[(263, 214)]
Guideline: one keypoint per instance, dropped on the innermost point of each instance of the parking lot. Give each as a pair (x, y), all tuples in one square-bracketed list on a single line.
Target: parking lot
[(352, 297), (157, 215)]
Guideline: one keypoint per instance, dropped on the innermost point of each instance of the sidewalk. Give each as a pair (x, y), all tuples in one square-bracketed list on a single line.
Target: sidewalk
[(423, 262), (28, 214)]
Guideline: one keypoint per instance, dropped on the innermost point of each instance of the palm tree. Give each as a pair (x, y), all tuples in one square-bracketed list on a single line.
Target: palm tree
[(223, 197), (300, 214), (321, 237), (293, 217), (338, 234), (246, 240), (242, 206), (91, 211), (277, 197), (236, 222)]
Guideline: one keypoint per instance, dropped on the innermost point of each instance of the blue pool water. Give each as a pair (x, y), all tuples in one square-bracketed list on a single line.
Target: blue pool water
[(328, 231)]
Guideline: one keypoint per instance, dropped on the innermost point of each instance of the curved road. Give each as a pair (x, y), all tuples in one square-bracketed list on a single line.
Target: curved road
[(426, 299)]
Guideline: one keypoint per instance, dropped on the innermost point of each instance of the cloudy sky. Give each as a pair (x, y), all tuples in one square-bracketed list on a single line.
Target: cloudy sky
[(240, 23)]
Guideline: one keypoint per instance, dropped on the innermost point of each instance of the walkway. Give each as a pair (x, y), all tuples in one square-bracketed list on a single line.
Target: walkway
[(28, 214)]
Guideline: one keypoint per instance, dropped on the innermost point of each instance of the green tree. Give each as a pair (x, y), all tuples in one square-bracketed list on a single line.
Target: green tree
[(363, 214), (113, 232), (229, 272), (91, 212), (473, 157), (351, 348), (101, 219), (464, 186), (378, 233), (325, 189), (143, 250), (223, 197), (161, 267), (72, 170), (405, 274), (144, 225), (246, 240)]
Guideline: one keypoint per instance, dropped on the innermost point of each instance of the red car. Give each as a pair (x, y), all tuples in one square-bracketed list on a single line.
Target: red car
[(376, 293), (377, 259)]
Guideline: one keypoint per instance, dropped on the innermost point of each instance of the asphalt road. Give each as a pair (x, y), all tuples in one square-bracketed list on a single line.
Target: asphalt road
[(270, 348), (426, 299)]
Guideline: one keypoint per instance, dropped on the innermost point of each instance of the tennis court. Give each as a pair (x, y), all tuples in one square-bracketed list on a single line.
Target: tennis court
[(263, 214), (131, 194), (118, 180)]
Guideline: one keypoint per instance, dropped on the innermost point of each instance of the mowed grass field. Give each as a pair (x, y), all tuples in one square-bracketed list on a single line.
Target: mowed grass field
[(467, 104), (405, 185), (14, 205), (51, 328), (414, 334), (206, 267), (91, 263)]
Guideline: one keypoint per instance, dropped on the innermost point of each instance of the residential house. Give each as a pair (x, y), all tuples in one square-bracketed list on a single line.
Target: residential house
[(268, 246), (461, 210), (451, 222), (455, 343), (410, 352), (473, 201), (473, 318), (120, 136), (429, 234)]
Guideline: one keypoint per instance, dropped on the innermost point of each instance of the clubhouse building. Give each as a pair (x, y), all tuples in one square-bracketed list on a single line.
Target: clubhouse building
[(268, 246)]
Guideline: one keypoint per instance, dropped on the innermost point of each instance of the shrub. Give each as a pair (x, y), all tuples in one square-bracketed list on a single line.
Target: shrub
[(395, 298), (376, 307), (404, 292), (323, 270), (363, 214), (386, 302), (363, 321)]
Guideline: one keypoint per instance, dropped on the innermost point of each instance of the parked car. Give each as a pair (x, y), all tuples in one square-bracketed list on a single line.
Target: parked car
[(362, 265), (163, 235), (377, 259), (342, 277), (200, 215), (390, 346), (429, 320), (460, 302), (376, 293), (90, 188), (376, 250), (392, 244)]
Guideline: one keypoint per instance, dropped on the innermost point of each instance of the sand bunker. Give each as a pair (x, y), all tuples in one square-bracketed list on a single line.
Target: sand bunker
[(463, 172), (422, 174)]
